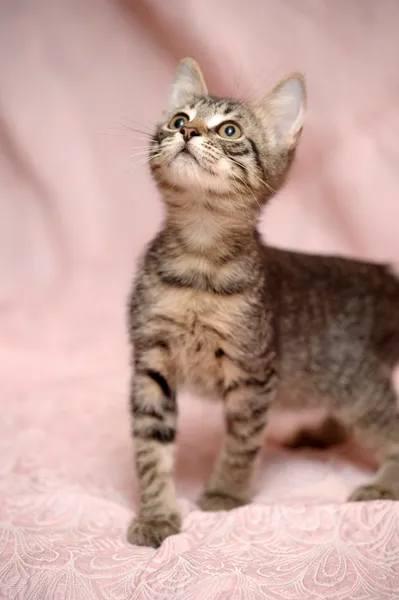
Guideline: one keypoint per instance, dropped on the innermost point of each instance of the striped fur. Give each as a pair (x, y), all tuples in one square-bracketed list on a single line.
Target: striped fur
[(215, 310)]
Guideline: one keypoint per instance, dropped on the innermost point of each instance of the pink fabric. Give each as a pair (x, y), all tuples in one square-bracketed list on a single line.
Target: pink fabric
[(75, 210)]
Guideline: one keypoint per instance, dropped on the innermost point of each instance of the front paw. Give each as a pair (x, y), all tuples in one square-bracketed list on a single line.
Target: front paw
[(373, 491), (152, 531), (217, 501)]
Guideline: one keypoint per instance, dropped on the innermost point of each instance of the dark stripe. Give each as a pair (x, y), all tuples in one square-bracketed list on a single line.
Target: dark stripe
[(155, 341), (160, 135), (148, 496), (231, 252), (233, 386), (216, 331), (143, 453), (242, 152), (146, 468), (167, 320), (145, 410), (242, 458), (243, 438), (233, 428), (165, 435), (257, 156), (259, 411), (162, 344), (203, 283), (152, 478), (258, 428), (214, 194), (169, 404), (161, 381), (250, 382), (158, 433), (230, 107), (239, 418), (248, 453), (152, 474), (198, 104)]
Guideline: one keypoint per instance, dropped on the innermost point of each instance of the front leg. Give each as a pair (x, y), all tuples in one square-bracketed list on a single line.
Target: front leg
[(247, 401), (154, 409)]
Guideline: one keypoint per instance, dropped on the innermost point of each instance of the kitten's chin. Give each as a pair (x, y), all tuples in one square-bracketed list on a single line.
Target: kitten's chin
[(185, 162), (186, 172)]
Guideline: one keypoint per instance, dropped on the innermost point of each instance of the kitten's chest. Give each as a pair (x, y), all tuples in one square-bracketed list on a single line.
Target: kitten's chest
[(199, 330)]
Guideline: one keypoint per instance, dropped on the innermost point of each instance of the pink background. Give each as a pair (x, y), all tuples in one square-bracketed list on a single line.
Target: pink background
[(76, 207)]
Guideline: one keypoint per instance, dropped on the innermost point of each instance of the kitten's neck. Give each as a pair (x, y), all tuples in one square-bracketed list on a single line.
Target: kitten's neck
[(210, 231)]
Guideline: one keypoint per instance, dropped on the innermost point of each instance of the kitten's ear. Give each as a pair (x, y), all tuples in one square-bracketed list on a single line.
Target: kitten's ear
[(188, 84), (283, 110)]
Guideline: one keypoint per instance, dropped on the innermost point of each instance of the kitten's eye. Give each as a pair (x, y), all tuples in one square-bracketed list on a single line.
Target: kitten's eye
[(230, 131), (178, 121)]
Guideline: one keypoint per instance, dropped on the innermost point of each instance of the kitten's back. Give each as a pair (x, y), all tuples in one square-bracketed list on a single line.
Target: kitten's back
[(333, 314)]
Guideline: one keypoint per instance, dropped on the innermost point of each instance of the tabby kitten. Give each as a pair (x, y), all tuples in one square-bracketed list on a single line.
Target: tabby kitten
[(216, 310)]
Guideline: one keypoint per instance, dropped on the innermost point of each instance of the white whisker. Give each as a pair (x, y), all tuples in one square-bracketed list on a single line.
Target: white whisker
[(140, 153)]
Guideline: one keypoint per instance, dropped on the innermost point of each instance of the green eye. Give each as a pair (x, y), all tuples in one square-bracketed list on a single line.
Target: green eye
[(178, 121), (229, 131)]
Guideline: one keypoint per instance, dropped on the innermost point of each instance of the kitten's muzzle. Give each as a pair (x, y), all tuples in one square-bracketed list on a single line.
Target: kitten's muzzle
[(189, 132)]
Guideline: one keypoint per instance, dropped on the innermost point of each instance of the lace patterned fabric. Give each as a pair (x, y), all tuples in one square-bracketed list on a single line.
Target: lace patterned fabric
[(67, 494)]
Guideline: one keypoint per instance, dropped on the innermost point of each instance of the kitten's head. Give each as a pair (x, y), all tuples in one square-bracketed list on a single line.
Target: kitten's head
[(222, 150)]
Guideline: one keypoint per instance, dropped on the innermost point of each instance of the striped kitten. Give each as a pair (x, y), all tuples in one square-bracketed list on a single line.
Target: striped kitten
[(215, 310)]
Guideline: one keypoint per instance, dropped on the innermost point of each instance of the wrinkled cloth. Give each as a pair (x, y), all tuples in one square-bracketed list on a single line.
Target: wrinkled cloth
[(81, 84)]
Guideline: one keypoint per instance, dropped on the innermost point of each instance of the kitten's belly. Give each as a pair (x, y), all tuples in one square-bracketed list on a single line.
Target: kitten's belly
[(199, 369)]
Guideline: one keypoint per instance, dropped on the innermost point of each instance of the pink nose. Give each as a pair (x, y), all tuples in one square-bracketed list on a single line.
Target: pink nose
[(188, 132)]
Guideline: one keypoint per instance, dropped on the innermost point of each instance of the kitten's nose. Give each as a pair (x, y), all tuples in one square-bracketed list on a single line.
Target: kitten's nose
[(189, 132)]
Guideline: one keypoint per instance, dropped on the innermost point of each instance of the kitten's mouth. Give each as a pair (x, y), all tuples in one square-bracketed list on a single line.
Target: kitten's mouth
[(186, 152)]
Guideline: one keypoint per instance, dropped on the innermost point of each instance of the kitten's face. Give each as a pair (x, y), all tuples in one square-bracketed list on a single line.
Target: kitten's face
[(210, 144), (223, 148)]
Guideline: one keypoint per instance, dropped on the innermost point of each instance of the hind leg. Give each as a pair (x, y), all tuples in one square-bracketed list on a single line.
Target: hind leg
[(376, 426)]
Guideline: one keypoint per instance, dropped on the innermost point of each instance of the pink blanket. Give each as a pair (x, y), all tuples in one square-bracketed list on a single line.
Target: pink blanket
[(77, 78)]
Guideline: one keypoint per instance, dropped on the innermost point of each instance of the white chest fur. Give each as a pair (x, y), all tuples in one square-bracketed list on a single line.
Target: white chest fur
[(199, 325)]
